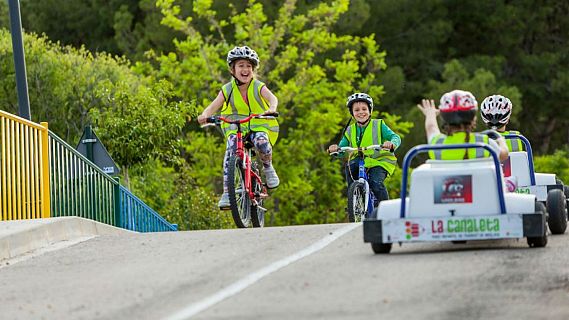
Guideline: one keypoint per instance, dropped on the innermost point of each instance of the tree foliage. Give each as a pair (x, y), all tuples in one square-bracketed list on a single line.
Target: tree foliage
[(313, 54), (311, 69), (139, 124)]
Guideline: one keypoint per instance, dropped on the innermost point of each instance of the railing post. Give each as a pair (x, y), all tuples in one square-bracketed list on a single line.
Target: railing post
[(45, 195), (117, 203)]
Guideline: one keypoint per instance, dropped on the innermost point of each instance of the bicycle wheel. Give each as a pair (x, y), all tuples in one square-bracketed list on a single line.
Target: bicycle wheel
[(257, 214), (239, 201), (356, 202)]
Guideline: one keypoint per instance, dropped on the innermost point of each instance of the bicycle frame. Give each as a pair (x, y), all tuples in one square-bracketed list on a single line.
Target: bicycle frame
[(244, 154)]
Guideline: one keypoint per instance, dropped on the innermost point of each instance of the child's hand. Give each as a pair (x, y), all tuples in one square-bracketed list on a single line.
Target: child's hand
[(333, 148), (388, 145), (428, 107), (202, 119)]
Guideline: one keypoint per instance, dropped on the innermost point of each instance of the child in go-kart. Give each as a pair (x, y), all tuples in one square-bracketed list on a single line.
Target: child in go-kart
[(366, 132), (496, 111), (241, 96), (458, 110)]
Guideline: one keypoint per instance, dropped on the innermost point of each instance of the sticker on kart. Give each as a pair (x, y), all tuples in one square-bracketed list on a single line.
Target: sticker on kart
[(453, 189), (539, 191), (452, 228)]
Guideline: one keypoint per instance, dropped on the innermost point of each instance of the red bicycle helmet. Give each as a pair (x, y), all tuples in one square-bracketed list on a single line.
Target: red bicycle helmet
[(458, 107)]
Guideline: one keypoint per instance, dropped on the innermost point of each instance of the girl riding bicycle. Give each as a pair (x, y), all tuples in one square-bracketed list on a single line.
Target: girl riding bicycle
[(366, 132), (240, 97)]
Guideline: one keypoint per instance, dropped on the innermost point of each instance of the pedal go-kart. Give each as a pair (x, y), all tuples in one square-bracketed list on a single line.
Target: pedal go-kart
[(455, 201), (521, 178)]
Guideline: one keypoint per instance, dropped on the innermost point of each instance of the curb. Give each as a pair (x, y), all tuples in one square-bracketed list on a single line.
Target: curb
[(21, 236)]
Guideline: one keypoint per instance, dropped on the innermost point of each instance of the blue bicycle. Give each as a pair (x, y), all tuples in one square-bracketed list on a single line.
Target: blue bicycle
[(359, 191)]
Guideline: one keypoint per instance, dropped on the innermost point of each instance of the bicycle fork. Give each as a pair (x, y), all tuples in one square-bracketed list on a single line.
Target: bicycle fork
[(362, 179)]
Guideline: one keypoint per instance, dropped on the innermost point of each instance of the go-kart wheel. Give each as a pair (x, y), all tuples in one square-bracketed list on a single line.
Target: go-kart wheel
[(381, 247), (557, 208), (538, 242)]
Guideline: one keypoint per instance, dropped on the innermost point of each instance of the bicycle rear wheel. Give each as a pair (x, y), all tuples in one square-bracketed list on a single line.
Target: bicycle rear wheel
[(356, 202), (239, 201)]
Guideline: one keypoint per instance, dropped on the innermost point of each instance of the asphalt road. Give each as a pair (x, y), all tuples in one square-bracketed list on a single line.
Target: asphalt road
[(305, 272)]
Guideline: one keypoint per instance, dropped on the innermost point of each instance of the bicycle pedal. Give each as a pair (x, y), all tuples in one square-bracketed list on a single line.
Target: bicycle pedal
[(224, 208)]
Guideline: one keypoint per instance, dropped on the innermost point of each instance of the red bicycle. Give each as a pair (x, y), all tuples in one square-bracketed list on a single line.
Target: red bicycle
[(245, 186)]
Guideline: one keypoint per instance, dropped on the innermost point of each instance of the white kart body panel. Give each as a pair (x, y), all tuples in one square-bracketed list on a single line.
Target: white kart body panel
[(545, 179), (520, 173), (424, 199)]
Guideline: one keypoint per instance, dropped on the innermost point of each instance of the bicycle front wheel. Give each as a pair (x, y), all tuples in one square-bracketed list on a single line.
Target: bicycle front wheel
[(239, 201), (356, 202)]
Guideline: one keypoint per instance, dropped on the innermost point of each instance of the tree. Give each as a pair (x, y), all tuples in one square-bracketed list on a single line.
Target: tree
[(62, 82), (139, 124), (311, 69)]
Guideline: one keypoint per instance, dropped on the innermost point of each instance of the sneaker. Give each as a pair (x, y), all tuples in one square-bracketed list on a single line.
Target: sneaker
[(272, 178), (224, 201)]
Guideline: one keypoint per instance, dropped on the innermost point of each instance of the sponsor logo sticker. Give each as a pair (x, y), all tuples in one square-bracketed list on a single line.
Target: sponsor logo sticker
[(453, 189)]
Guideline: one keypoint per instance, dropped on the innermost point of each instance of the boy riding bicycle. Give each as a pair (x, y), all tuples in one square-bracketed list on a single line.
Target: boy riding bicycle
[(240, 97), (366, 132)]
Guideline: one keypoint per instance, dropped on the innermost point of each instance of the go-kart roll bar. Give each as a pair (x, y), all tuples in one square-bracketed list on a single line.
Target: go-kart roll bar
[(427, 147), (527, 145)]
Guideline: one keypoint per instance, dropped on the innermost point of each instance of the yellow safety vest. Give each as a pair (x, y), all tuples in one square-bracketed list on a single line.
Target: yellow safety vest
[(513, 144), (458, 154), (236, 108), (374, 158)]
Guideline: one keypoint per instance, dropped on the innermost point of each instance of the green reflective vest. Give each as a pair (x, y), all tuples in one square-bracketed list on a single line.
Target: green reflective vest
[(372, 136), (458, 154), (236, 108), (513, 144)]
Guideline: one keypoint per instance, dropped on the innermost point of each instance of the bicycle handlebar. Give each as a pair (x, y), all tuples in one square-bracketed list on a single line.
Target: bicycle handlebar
[(214, 120), (351, 149)]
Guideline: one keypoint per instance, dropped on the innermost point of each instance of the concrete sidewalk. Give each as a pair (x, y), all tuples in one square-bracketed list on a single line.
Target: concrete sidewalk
[(21, 236)]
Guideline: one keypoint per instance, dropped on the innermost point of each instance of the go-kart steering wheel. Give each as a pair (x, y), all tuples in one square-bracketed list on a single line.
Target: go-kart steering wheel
[(492, 134)]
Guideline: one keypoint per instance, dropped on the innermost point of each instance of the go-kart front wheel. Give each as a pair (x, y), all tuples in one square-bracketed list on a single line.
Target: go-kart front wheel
[(557, 209)]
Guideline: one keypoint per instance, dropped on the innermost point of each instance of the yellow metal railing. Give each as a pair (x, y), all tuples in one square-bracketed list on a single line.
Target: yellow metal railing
[(24, 169)]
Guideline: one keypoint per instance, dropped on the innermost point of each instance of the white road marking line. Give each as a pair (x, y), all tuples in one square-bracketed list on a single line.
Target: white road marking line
[(242, 284)]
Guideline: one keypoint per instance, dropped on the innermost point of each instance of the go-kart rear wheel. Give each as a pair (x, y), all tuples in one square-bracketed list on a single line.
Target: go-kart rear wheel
[(557, 208), (381, 247), (538, 242), (566, 192)]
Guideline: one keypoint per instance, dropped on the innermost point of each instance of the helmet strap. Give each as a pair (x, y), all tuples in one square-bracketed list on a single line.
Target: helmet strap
[(237, 81)]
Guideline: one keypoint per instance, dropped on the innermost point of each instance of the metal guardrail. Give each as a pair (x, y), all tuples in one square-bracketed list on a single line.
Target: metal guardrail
[(42, 176), (136, 215), (81, 188), (24, 176)]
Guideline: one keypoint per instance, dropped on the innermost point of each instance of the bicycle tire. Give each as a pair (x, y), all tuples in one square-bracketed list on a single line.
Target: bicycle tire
[(257, 214), (239, 201), (356, 202)]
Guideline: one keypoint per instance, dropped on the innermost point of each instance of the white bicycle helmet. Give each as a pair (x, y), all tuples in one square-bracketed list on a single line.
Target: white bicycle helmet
[(243, 53), (496, 110), (458, 107), (359, 97)]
